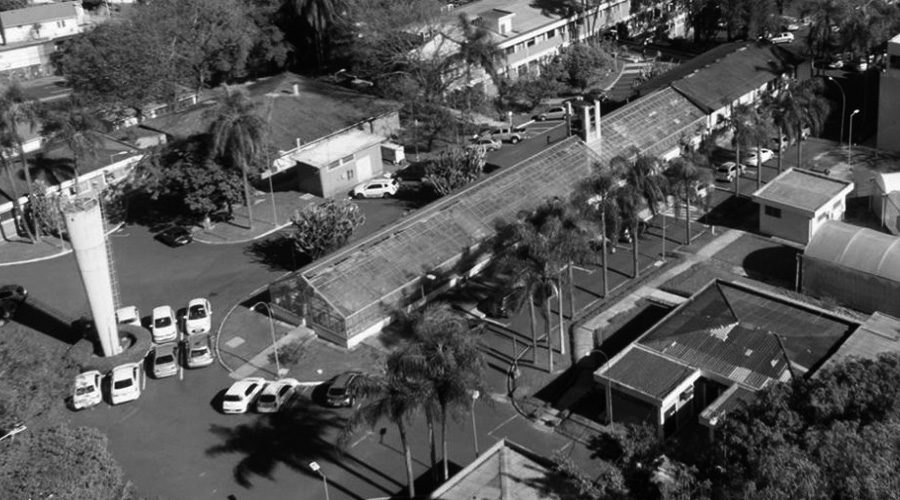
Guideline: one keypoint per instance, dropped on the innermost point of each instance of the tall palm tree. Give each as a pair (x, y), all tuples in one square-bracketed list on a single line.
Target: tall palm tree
[(685, 174), (799, 105), (596, 197), (238, 136), (476, 49), (644, 187), (824, 14), (396, 396), (760, 132), (318, 15), (741, 123), (444, 353), (15, 110), (75, 126)]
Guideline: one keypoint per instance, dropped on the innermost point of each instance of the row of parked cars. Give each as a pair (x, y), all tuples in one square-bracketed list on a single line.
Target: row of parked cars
[(267, 396)]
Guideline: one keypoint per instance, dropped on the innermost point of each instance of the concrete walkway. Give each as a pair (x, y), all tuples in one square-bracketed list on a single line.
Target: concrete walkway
[(585, 334)]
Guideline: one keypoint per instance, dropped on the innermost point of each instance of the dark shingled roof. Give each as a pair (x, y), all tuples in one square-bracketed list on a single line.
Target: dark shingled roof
[(724, 74), (364, 273), (319, 109), (647, 372)]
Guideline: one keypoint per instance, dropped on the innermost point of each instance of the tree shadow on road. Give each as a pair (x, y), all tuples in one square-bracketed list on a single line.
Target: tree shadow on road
[(294, 437), (277, 253)]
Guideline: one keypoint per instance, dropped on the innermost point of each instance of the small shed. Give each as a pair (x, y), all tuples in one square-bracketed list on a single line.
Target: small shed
[(332, 166), (795, 204)]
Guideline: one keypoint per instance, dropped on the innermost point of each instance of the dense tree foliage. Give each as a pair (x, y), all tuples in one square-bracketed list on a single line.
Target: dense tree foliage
[(322, 228), (453, 169), (582, 64)]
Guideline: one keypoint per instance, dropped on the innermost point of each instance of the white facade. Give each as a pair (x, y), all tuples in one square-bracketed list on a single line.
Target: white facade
[(41, 22)]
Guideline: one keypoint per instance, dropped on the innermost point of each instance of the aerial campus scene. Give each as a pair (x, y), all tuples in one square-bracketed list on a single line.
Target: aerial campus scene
[(410, 249)]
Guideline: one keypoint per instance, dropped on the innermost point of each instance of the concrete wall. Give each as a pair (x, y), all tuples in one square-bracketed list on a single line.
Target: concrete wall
[(338, 181), (792, 225)]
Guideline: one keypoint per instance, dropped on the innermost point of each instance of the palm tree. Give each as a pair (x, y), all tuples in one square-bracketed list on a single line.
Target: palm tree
[(824, 14), (396, 396), (238, 136), (760, 132), (596, 197), (444, 353), (644, 187), (799, 105), (685, 174), (15, 110), (740, 122), (476, 48), (77, 128), (319, 15), (6, 145)]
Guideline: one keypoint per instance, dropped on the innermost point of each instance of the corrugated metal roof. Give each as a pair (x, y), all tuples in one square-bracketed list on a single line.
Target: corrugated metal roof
[(38, 13), (366, 272), (857, 248), (647, 372), (802, 189)]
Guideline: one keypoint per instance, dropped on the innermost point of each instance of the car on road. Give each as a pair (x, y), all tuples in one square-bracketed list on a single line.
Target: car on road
[(750, 160), (783, 37), (197, 351), (276, 395), (198, 317), (10, 298), (554, 113), (125, 383), (376, 188), (506, 134), (486, 143), (164, 360), (175, 236), (129, 315), (87, 391), (728, 171), (242, 394), (163, 327), (342, 391)]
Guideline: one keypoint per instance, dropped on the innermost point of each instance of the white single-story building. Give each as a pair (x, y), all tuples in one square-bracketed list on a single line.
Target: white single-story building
[(793, 205)]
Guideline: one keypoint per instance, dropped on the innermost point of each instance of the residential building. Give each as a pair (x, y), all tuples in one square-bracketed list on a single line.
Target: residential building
[(796, 203), (854, 266), (332, 134), (352, 293), (30, 35), (888, 136), (727, 335)]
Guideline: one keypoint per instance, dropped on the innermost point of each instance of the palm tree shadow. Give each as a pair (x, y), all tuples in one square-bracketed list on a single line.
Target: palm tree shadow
[(293, 437), (277, 253), (53, 171)]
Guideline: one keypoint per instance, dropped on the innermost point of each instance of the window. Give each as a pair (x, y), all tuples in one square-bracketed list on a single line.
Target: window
[(837, 205), (551, 34), (687, 394), (510, 50), (773, 212), (350, 174), (895, 62), (347, 159), (531, 42), (333, 165)]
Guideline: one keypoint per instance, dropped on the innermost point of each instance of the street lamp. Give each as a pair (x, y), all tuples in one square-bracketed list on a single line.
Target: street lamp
[(475, 396), (314, 466), (609, 408), (272, 331), (850, 139), (843, 105)]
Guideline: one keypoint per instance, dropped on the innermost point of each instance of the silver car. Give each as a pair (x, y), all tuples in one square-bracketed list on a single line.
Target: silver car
[(164, 360)]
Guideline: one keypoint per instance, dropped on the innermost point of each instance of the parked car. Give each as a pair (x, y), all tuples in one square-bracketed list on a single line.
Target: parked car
[(163, 327), (197, 351), (486, 143), (242, 394), (342, 392), (87, 390), (554, 113), (506, 134), (129, 315), (125, 383), (728, 171), (10, 298), (836, 63), (175, 236), (164, 360), (276, 394), (784, 37), (198, 317), (376, 188), (750, 159)]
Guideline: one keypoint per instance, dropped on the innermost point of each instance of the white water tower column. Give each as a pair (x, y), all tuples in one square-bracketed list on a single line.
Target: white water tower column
[(84, 222)]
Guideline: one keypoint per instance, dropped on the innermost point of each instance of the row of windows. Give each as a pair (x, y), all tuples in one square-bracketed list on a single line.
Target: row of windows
[(343, 161)]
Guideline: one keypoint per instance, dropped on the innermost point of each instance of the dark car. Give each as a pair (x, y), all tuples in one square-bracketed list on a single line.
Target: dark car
[(10, 298), (175, 236), (341, 392)]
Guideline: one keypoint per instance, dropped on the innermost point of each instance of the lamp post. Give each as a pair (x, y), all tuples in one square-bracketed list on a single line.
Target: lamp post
[(475, 396), (843, 105), (268, 161), (272, 331), (315, 467), (609, 408), (850, 139)]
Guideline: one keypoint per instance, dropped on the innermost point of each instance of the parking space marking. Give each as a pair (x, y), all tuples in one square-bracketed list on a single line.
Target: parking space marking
[(362, 438), (236, 341)]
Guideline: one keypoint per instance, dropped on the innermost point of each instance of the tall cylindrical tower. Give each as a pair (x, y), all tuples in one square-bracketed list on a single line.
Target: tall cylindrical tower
[(84, 222)]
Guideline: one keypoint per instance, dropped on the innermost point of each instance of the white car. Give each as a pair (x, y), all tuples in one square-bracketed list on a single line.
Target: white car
[(728, 171), (487, 143), (554, 113), (197, 352), (87, 391), (276, 394), (128, 316), (785, 37), (125, 383), (376, 188), (162, 325), (765, 154), (198, 317), (242, 394)]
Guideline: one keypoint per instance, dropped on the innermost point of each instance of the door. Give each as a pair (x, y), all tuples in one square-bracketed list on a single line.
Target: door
[(364, 168)]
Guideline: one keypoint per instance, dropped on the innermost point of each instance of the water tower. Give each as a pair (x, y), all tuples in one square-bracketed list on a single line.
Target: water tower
[(85, 224)]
